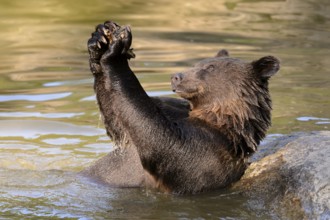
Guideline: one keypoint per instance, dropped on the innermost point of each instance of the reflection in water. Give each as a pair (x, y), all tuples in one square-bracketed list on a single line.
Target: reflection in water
[(34, 98), (312, 119), (38, 115), (49, 123), (62, 141), (150, 93), (34, 128)]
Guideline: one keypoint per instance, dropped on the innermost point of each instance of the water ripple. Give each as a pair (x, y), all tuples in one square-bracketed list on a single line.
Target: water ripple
[(32, 129), (34, 97), (150, 93), (39, 115)]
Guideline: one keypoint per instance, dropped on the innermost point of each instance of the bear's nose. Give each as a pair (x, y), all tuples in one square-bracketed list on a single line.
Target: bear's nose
[(176, 78)]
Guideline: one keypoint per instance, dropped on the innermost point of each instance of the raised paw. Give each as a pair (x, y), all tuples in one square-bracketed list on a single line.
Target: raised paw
[(101, 38), (110, 39), (120, 40)]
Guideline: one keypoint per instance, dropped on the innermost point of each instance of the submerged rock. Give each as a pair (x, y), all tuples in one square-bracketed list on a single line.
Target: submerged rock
[(293, 182)]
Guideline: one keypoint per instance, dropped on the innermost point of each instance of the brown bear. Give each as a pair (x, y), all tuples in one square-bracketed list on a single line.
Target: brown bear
[(182, 146)]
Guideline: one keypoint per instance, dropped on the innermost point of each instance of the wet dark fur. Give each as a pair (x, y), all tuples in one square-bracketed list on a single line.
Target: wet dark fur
[(175, 145)]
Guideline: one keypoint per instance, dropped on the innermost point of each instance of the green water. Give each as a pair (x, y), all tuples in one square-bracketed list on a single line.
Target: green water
[(49, 123)]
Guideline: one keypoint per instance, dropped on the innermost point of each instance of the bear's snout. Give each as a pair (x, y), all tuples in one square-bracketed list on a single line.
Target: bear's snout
[(176, 80)]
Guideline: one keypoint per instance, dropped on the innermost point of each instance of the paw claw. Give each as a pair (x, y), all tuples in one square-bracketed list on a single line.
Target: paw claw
[(130, 53), (99, 28), (112, 38), (98, 45), (112, 26), (103, 40)]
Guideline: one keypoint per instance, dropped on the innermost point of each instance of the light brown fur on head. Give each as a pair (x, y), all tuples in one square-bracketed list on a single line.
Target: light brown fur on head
[(231, 96)]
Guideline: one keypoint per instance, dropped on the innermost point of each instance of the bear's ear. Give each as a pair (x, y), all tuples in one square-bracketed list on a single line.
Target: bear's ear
[(266, 66), (222, 53)]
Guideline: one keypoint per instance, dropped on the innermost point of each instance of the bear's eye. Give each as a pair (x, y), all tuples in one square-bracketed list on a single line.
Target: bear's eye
[(210, 68)]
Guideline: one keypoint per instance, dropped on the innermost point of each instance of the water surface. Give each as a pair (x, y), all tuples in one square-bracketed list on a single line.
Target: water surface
[(50, 127)]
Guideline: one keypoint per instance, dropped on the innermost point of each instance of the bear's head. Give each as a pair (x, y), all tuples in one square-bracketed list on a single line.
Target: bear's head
[(231, 95)]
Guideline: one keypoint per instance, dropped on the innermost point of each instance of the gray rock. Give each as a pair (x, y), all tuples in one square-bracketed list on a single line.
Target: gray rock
[(293, 182)]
